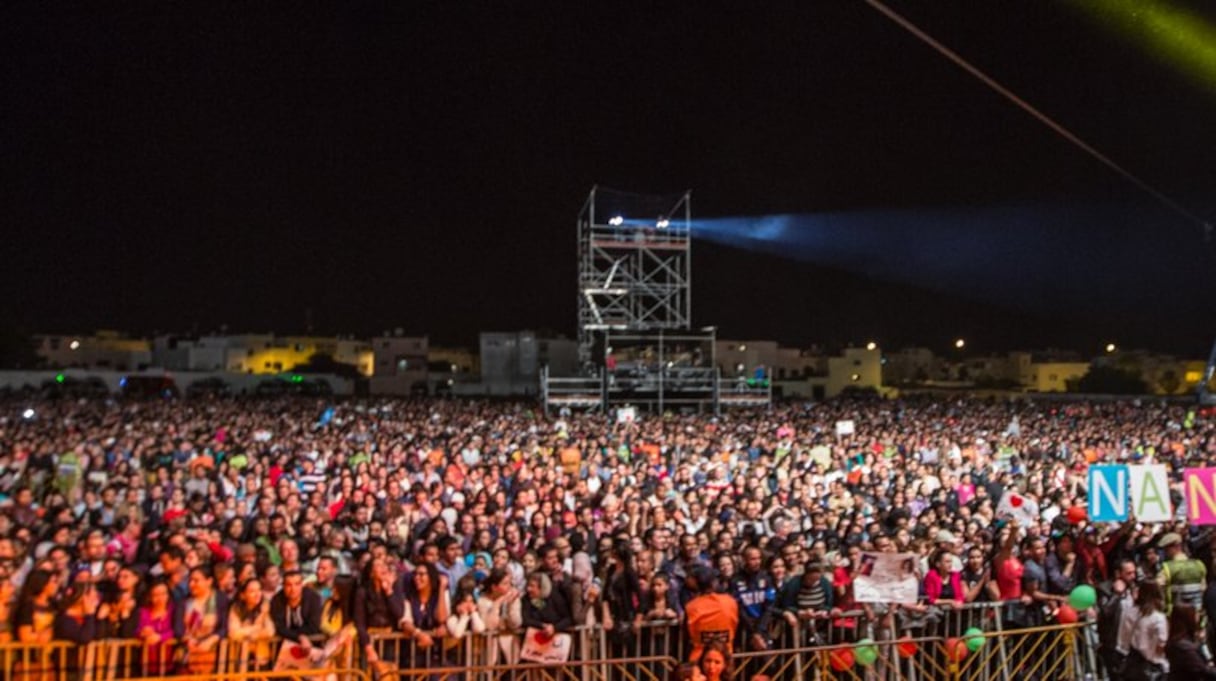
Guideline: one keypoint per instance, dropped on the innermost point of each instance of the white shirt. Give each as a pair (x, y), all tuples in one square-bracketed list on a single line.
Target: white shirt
[(1148, 634)]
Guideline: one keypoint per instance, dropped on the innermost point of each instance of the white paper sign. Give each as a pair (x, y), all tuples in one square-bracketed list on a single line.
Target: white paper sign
[(887, 578), (845, 427), (1150, 493), (1019, 507), (626, 415), (554, 651)]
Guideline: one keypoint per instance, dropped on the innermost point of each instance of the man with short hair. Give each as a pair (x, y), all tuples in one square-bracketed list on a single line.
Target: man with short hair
[(450, 562), (295, 610), (323, 580), (755, 592)]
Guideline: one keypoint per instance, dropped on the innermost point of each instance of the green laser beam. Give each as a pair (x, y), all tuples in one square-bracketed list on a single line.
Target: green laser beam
[(1171, 34)]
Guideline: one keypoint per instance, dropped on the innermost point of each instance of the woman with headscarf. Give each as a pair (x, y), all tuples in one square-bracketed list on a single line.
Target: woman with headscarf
[(542, 609), (583, 576)]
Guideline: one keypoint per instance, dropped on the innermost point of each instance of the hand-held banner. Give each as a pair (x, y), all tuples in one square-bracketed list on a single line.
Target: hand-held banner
[(887, 578)]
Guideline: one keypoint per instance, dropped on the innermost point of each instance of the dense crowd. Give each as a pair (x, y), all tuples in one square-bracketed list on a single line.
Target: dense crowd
[(309, 521)]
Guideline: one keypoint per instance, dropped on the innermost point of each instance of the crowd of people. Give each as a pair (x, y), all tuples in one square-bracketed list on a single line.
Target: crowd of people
[(297, 525)]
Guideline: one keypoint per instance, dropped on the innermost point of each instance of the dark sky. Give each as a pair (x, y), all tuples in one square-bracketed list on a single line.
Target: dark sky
[(178, 166)]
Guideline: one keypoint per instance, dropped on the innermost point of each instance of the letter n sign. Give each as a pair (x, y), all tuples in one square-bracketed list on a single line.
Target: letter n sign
[(1200, 495), (1107, 493)]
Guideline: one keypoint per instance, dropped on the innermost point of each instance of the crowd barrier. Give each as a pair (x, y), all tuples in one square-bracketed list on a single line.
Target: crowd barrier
[(921, 647)]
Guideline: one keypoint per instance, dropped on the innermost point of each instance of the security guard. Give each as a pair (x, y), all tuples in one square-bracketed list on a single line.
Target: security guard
[(1183, 578)]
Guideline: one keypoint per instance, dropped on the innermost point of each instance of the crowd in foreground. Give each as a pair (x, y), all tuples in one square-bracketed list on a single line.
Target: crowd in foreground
[(317, 524)]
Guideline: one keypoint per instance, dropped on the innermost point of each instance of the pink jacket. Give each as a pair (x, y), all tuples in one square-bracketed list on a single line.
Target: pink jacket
[(933, 586)]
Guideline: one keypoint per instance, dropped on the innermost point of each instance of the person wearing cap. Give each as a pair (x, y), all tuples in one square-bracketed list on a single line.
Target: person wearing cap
[(807, 598), (946, 541), (1183, 578)]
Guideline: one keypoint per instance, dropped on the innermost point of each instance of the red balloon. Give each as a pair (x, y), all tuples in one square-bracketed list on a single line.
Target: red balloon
[(841, 659), (956, 649), (1077, 515), (906, 647), (1067, 615)]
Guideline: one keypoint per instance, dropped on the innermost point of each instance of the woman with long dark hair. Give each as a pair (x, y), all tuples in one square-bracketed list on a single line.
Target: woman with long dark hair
[(122, 620), (250, 625), (34, 625), (622, 601), (1146, 631), (425, 615), (1182, 650), (201, 622), (155, 627), (34, 615), (378, 607)]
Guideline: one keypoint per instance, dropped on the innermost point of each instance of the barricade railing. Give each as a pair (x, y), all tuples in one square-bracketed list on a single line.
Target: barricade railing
[(251, 655), (655, 668), (799, 649), (346, 674), (53, 661), (1038, 653)]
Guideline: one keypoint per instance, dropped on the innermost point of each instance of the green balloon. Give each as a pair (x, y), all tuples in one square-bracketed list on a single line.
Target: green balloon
[(866, 652), (974, 637), (1083, 597)]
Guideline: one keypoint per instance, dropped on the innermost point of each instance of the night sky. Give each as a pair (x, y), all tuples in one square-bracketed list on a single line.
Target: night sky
[(182, 166)]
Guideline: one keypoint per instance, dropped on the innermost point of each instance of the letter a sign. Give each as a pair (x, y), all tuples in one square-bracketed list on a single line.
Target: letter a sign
[(1107, 493), (1151, 493)]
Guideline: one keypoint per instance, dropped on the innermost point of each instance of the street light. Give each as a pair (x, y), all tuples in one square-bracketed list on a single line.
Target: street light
[(75, 345)]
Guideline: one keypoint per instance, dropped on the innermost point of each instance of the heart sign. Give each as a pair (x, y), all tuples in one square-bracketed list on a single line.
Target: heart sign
[(1021, 508)]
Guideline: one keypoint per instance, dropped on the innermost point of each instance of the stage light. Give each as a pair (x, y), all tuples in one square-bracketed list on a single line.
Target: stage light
[(662, 223), (1110, 347), (960, 344), (871, 345), (75, 345), (616, 221), (27, 414)]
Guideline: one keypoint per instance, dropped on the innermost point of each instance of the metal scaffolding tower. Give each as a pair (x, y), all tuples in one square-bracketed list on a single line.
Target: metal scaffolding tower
[(635, 266), (636, 343)]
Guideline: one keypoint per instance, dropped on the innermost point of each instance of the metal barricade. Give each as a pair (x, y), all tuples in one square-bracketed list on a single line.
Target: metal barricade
[(401, 651), (1050, 652), (125, 659), (54, 661), (826, 649), (345, 674), (619, 669)]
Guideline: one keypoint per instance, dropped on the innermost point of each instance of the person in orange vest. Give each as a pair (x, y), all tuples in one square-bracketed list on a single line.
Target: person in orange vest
[(712, 617)]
